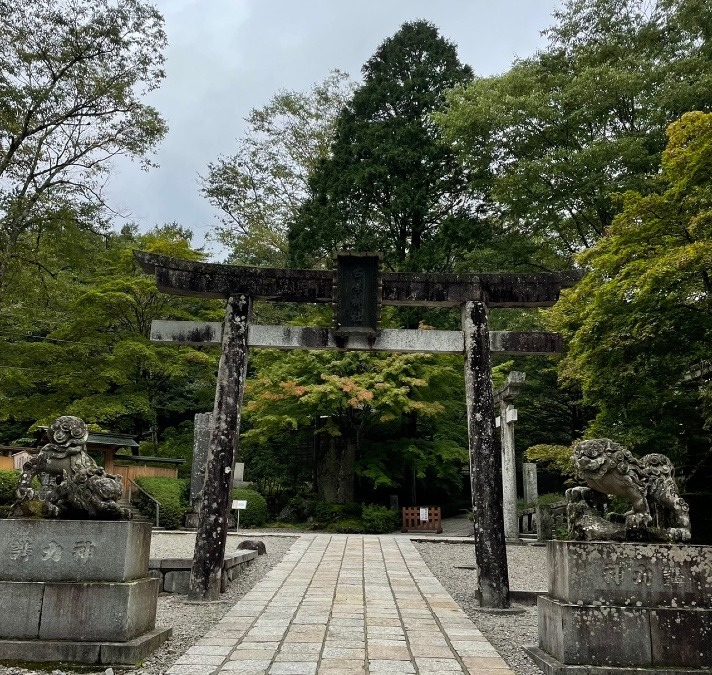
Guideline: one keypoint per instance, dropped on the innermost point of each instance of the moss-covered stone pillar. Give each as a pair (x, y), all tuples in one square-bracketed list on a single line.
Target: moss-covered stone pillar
[(217, 491), (485, 460)]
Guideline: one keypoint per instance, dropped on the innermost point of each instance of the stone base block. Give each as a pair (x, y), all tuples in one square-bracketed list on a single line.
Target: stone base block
[(551, 666), (20, 609), (65, 651), (630, 574), (604, 635), (116, 612), (610, 636), (73, 550)]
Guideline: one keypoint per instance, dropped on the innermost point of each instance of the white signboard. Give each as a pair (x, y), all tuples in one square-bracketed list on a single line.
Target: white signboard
[(239, 504), (423, 514)]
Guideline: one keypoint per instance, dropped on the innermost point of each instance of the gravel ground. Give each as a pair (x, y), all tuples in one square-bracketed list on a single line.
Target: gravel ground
[(508, 633), (190, 622)]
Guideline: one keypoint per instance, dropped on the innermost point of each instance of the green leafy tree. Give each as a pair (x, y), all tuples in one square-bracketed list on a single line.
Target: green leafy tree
[(72, 73), (259, 189), (361, 407), (391, 184), (639, 324), (84, 349), (563, 131)]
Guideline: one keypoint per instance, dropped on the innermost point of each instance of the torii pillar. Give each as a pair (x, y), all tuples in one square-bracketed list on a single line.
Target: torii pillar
[(504, 397), (473, 293)]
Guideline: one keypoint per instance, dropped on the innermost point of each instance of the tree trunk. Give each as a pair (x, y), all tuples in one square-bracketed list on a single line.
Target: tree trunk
[(485, 461), (217, 490), (335, 470)]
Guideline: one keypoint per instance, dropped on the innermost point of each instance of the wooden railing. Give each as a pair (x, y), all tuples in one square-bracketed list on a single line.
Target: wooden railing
[(131, 485), (413, 523)]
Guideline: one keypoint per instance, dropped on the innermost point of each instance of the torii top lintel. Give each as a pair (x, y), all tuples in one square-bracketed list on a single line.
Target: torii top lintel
[(211, 280)]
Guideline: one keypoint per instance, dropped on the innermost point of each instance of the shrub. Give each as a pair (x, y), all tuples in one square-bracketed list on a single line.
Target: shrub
[(379, 519), (172, 495), (8, 485), (256, 512), (346, 526)]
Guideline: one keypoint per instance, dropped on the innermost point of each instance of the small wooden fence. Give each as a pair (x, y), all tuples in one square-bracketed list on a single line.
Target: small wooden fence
[(412, 519)]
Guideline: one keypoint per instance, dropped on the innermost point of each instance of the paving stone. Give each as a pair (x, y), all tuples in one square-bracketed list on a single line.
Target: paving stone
[(293, 668), (244, 667), (332, 601)]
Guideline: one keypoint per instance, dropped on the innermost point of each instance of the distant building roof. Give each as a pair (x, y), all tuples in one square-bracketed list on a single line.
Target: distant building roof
[(135, 459), (121, 440)]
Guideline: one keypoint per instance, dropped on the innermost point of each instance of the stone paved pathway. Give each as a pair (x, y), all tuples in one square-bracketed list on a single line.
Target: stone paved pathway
[(345, 605)]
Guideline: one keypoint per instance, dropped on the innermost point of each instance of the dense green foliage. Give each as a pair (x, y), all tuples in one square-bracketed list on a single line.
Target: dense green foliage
[(78, 343), (72, 73), (555, 137), (640, 323), (171, 493), (256, 512), (558, 162), (391, 184), (8, 484), (379, 519)]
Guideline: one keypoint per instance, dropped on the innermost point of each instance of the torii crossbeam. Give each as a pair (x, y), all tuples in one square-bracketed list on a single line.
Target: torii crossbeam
[(358, 283)]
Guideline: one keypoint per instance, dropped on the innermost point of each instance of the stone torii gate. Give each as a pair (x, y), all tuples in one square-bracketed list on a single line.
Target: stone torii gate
[(356, 289)]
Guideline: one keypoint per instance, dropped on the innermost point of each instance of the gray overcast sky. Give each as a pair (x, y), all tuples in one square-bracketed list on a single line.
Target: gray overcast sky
[(228, 56)]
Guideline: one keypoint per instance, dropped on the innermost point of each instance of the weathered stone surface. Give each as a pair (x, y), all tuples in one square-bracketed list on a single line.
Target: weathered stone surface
[(105, 653), (485, 461), (73, 485), (531, 485), (609, 469), (630, 574), (177, 581), (552, 666), (208, 280), (89, 612), (253, 544), (681, 636), (20, 609), (580, 635), (211, 536), (201, 441), (299, 337), (42, 651), (73, 550)]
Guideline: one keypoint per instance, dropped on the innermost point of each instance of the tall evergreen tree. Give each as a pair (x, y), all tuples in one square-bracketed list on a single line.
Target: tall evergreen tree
[(391, 185)]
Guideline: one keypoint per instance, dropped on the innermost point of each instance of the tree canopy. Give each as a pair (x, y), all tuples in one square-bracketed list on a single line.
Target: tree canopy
[(639, 325), (391, 184), (563, 131), (72, 73), (259, 189)]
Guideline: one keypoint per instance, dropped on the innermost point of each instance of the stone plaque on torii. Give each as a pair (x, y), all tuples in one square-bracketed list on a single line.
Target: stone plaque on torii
[(358, 282)]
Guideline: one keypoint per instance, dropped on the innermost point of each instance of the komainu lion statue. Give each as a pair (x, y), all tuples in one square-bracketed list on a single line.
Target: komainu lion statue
[(657, 510), (72, 485)]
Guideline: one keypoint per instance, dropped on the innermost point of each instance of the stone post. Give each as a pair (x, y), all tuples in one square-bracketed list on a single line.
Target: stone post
[(504, 397), (508, 415), (201, 442), (485, 461), (529, 479), (217, 491)]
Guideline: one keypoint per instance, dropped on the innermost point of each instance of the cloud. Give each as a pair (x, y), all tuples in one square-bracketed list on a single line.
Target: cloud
[(226, 57)]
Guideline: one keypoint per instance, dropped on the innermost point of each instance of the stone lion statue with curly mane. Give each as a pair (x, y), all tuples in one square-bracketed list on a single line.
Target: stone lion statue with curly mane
[(72, 485), (657, 510)]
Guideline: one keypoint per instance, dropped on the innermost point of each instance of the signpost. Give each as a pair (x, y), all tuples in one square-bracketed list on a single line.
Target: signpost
[(238, 505)]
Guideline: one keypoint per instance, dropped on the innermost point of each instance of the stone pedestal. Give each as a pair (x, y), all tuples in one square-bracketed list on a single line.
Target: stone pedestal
[(615, 607), (77, 591)]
